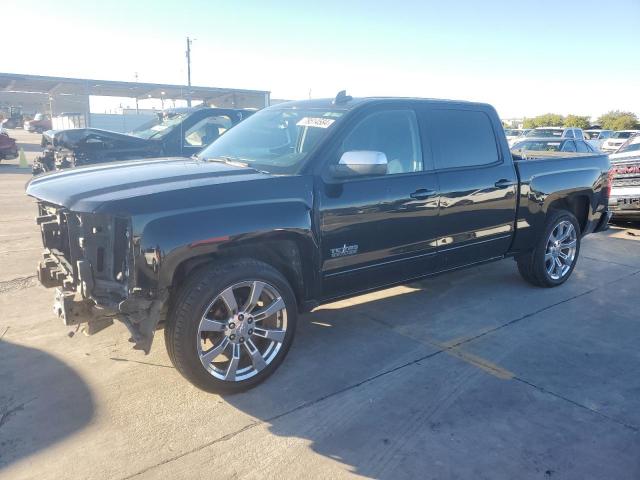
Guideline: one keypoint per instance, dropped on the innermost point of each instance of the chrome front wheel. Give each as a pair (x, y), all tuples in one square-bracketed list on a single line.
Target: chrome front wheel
[(231, 325), (242, 330)]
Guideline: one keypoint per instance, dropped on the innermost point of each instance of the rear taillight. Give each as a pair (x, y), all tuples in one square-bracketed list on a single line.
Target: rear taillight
[(610, 176)]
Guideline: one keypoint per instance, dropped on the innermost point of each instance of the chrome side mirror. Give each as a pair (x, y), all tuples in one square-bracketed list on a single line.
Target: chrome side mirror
[(360, 162)]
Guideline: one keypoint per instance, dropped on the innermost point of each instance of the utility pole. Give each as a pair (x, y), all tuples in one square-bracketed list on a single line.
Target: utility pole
[(188, 53), (137, 110)]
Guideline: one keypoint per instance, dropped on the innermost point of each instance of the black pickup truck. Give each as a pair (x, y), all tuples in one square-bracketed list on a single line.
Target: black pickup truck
[(175, 132), (301, 204)]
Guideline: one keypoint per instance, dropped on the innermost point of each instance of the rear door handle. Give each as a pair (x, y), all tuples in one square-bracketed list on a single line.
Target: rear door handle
[(504, 183), (423, 194)]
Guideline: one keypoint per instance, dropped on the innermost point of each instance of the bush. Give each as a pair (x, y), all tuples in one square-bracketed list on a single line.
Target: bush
[(617, 120)]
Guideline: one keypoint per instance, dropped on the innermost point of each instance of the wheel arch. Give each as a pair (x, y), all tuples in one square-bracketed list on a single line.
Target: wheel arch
[(289, 253), (579, 204)]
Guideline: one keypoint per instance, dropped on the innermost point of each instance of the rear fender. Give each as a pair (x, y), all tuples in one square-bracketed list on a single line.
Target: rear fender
[(558, 189)]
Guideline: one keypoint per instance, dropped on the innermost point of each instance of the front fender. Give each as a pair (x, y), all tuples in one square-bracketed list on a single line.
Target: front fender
[(167, 242)]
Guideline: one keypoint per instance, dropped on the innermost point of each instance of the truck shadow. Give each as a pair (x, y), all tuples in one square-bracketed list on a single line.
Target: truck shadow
[(30, 147), (331, 391), (9, 168), (39, 409)]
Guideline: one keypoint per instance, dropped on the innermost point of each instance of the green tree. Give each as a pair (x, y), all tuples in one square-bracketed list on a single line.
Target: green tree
[(546, 120), (617, 120), (576, 121)]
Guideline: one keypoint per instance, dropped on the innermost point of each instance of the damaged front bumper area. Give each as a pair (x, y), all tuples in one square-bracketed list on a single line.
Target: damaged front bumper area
[(88, 258)]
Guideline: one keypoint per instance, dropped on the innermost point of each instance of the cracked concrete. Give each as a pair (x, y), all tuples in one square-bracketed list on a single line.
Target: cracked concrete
[(496, 380)]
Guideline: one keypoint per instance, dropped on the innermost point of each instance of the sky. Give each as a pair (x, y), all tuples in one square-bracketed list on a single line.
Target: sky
[(524, 57)]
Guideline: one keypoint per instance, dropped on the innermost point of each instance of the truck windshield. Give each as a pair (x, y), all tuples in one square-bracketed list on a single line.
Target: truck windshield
[(276, 140), (539, 145), (159, 127), (630, 146), (622, 134), (545, 132)]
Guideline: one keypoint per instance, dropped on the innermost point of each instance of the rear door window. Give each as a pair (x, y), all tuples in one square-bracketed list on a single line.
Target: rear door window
[(462, 138)]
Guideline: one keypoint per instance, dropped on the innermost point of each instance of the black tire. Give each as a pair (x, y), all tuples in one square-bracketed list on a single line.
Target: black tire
[(192, 302), (532, 266)]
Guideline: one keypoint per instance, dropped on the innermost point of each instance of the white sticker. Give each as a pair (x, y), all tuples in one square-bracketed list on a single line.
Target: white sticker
[(315, 122)]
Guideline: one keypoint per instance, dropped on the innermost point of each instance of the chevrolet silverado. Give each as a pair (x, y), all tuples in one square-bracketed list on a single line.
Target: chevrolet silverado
[(301, 204)]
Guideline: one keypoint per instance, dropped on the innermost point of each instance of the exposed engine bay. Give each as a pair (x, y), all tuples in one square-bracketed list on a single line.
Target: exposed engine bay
[(86, 146), (87, 257)]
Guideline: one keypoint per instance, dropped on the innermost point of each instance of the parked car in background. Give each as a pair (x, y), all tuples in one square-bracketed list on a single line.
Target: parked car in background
[(552, 145), (595, 137), (513, 134), (178, 132), (624, 201), (41, 122), (302, 204), (556, 132), (617, 139), (8, 147), (11, 117)]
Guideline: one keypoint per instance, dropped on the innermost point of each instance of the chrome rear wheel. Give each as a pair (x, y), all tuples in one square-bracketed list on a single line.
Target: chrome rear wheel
[(560, 253)]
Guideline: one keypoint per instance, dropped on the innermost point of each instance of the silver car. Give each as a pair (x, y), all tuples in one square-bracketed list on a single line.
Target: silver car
[(617, 139)]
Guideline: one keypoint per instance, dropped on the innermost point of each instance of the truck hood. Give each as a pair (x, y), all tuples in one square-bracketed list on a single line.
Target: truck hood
[(106, 187), (624, 156)]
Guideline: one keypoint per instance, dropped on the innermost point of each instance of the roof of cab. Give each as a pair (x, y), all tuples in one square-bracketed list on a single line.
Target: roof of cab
[(351, 103), (543, 139)]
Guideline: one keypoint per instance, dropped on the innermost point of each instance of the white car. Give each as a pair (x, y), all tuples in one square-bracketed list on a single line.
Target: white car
[(595, 137), (556, 132), (514, 134), (624, 199), (616, 140)]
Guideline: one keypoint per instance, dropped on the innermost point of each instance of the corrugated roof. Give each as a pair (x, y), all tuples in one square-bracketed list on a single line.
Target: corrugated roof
[(14, 82)]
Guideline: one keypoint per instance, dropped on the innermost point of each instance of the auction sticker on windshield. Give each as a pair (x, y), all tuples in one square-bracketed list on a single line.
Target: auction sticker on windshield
[(315, 122)]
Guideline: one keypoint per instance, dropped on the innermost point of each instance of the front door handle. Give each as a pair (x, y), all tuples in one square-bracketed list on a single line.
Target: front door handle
[(423, 194), (504, 183)]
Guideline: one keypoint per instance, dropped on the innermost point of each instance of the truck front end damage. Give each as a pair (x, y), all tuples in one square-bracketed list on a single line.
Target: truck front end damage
[(88, 259)]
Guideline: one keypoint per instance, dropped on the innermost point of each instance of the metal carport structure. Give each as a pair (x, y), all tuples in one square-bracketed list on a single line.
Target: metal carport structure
[(78, 91)]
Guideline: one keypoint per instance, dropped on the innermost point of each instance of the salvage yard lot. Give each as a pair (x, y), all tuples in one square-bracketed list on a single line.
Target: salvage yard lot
[(474, 374)]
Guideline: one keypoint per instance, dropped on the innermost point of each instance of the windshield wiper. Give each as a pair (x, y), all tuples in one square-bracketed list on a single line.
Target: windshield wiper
[(227, 159), (234, 161)]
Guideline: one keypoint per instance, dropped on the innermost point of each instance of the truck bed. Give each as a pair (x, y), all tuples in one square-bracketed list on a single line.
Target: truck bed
[(556, 178)]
